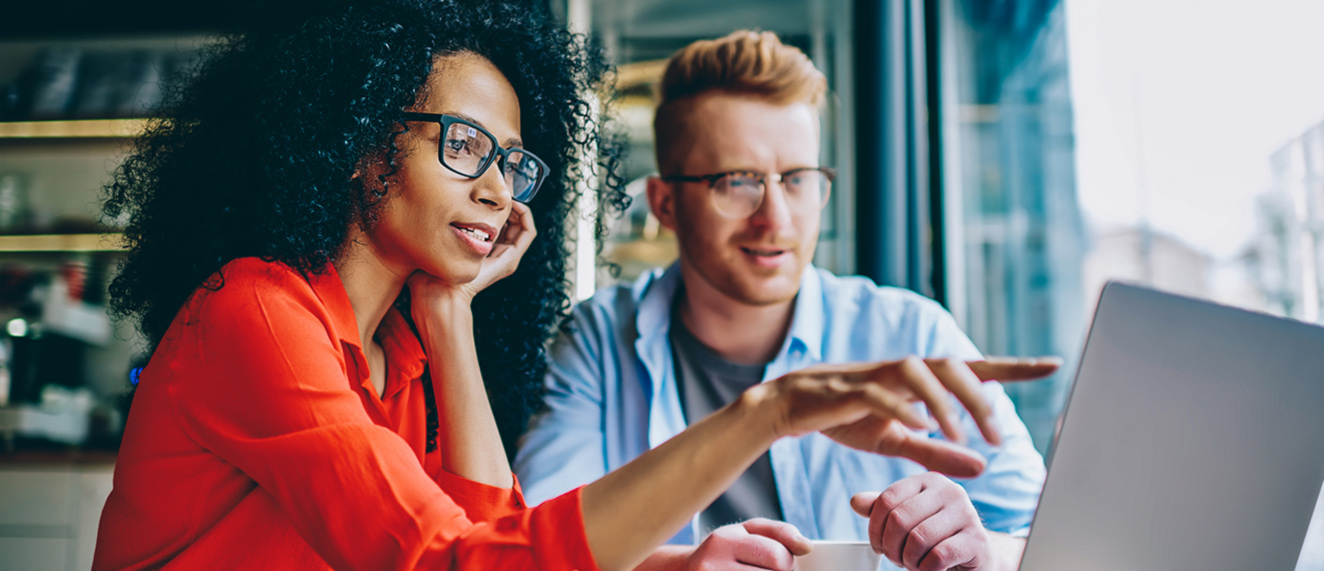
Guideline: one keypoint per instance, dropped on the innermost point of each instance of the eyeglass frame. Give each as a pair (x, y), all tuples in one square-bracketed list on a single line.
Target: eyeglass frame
[(503, 153), (778, 177)]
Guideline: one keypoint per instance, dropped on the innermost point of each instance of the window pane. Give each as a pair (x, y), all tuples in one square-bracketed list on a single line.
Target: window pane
[(1129, 140), (1016, 236), (1174, 143)]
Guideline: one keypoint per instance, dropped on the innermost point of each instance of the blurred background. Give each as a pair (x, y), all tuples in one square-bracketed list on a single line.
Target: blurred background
[(1005, 157)]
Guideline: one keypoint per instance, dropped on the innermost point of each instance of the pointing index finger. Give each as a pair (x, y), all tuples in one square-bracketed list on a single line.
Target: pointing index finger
[(1010, 369)]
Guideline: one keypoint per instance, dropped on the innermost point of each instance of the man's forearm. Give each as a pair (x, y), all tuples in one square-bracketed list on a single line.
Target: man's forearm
[(1006, 550)]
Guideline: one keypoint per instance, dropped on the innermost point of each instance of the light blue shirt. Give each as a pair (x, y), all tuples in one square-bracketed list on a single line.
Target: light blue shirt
[(611, 396)]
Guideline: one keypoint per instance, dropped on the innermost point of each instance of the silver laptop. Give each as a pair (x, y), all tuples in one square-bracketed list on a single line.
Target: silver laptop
[(1194, 439)]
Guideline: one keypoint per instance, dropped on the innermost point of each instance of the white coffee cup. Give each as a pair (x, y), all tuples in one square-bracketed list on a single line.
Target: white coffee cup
[(839, 556)]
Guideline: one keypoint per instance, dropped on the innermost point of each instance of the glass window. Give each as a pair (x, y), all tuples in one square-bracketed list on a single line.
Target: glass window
[(1172, 143), (1016, 240), (1137, 140)]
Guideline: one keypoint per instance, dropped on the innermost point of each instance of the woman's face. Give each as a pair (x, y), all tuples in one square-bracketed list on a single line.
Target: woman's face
[(434, 219)]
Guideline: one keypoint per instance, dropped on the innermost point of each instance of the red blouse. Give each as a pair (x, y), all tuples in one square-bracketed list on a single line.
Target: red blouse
[(256, 441)]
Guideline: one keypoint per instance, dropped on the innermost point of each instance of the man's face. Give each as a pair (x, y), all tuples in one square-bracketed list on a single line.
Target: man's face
[(757, 259)]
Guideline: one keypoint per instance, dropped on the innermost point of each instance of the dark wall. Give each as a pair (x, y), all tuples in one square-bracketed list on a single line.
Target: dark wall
[(61, 18)]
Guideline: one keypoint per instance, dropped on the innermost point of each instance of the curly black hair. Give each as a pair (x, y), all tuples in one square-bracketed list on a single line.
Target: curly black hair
[(254, 156)]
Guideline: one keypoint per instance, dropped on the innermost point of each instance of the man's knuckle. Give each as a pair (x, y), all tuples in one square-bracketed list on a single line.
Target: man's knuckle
[(945, 554), (952, 492), (918, 537), (889, 500), (896, 494), (897, 520)]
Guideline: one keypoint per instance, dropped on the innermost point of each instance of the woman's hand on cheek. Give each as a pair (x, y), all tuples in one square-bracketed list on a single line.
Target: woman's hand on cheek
[(510, 245)]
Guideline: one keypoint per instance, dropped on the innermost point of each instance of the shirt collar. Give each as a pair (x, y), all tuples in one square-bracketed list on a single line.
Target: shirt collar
[(655, 292), (329, 288), (808, 320), (403, 349)]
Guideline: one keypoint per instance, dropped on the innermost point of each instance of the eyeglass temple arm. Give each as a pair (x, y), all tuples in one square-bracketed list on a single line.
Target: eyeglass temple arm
[(686, 178), (418, 116)]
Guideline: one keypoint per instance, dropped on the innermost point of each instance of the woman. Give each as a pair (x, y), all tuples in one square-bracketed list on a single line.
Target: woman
[(320, 228)]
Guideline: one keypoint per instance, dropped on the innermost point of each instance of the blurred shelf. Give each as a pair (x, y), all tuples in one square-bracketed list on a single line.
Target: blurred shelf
[(83, 129), (21, 458), (111, 242), (653, 253), (640, 74)]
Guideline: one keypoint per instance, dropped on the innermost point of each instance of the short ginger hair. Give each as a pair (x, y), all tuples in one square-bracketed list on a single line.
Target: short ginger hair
[(744, 62)]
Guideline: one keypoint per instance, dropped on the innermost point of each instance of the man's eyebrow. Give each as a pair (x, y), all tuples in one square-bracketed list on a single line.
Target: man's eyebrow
[(511, 142), (798, 167)]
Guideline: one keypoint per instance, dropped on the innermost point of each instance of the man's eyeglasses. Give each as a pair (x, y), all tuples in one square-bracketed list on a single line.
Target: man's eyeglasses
[(467, 150), (737, 194)]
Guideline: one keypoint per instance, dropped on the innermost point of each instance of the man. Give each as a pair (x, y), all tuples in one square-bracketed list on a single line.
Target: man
[(737, 134)]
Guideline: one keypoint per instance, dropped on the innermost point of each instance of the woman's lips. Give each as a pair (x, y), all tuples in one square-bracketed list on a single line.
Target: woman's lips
[(478, 237)]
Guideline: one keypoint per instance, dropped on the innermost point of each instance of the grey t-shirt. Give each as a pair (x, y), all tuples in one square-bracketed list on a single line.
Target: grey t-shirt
[(708, 382)]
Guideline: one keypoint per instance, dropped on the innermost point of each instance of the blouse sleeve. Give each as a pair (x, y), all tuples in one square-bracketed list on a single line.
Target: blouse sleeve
[(481, 502), (262, 386)]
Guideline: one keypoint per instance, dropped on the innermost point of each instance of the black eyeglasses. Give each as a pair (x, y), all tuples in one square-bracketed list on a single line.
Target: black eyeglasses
[(467, 150), (738, 194)]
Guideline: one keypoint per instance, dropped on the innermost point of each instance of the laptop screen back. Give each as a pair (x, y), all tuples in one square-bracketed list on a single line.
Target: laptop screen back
[(1194, 439)]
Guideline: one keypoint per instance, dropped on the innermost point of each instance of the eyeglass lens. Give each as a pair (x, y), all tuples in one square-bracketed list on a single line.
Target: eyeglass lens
[(522, 172), (468, 150), (740, 194)]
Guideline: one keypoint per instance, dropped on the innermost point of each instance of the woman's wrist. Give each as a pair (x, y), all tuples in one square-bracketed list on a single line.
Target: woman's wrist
[(446, 316), (761, 412)]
